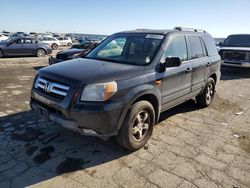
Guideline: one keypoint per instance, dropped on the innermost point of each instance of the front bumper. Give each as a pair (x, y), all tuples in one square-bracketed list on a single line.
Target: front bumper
[(235, 63), (49, 51), (101, 120), (53, 60)]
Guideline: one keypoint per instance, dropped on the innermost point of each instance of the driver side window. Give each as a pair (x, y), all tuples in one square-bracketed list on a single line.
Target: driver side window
[(177, 48)]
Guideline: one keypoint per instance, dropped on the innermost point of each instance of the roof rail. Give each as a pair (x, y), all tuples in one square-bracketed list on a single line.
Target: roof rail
[(189, 29)]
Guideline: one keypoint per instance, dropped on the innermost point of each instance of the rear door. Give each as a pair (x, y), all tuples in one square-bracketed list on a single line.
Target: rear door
[(198, 57), (29, 47), (176, 81)]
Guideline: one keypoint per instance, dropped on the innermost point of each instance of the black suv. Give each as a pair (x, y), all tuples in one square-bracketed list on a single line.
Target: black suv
[(121, 87), (235, 51)]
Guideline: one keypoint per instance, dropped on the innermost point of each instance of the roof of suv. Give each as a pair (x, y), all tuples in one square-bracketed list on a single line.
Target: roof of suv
[(166, 31)]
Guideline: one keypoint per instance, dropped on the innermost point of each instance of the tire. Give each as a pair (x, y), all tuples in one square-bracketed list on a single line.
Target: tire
[(137, 127), (1, 54), (40, 53), (207, 96), (69, 44), (54, 46)]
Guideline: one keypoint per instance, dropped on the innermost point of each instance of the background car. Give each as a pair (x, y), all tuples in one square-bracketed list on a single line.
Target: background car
[(2, 37), (86, 45), (235, 50), (53, 42), (23, 46), (76, 51), (65, 41)]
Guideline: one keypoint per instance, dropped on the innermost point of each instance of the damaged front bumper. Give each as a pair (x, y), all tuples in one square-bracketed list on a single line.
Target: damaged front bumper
[(96, 121), (68, 124)]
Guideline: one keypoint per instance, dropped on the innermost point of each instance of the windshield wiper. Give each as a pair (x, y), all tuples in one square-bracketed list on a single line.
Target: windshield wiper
[(114, 61)]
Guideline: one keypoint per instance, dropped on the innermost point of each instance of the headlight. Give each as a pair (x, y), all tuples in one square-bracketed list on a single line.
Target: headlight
[(99, 92)]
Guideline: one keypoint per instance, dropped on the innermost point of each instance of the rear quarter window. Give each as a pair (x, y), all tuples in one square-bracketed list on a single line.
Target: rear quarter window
[(210, 44), (196, 49)]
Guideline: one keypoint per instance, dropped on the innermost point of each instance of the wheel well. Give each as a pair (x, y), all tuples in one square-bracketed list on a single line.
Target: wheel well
[(214, 77), (153, 100)]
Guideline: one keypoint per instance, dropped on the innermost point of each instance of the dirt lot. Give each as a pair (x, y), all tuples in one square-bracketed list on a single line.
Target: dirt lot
[(190, 147)]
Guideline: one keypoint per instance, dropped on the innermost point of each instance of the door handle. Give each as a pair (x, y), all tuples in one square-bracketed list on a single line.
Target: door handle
[(208, 64), (189, 70)]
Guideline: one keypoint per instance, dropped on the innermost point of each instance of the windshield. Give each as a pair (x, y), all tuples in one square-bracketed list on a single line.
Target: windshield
[(136, 49), (238, 40)]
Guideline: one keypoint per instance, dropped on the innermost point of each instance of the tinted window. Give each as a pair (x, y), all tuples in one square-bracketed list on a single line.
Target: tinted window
[(195, 47), (210, 44), (238, 40), (204, 48), (177, 48)]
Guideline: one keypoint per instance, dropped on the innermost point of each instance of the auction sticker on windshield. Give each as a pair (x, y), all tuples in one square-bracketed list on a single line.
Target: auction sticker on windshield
[(150, 36)]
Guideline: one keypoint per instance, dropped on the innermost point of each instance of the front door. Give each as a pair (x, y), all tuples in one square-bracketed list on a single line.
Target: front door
[(15, 47)]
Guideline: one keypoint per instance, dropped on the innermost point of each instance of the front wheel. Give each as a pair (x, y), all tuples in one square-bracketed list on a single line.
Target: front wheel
[(207, 96), (137, 127), (40, 53), (69, 44)]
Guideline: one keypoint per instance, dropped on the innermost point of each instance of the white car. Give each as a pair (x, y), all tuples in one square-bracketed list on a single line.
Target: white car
[(53, 42), (65, 41), (2, 37)]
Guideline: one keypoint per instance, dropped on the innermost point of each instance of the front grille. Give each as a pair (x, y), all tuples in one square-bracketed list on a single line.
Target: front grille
[(50, 88), (233, 55), (62, 57)]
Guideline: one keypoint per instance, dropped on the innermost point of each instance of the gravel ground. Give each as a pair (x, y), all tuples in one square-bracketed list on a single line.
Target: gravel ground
[(190, 147)]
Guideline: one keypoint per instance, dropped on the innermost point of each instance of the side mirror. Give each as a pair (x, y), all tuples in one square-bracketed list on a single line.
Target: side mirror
[(220, 44), (172, 62)]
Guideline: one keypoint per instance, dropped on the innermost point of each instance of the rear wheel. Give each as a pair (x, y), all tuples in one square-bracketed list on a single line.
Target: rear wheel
[(40, 53), (207, 96), (54, 46), (69, 44), (137, 127)]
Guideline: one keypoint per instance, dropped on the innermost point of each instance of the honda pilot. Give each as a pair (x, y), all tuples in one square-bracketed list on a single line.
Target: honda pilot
[(123, 85)]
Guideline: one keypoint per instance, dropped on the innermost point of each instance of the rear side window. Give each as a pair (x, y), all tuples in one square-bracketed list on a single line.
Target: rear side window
[(177, 48), (210, 44), (196, 50)]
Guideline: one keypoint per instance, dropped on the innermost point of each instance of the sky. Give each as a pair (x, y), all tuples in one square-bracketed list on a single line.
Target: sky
[(219, 17)]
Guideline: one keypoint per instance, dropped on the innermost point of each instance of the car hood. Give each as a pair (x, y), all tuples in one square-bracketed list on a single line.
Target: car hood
[(235, 48), (80, 72), (70, 51)]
